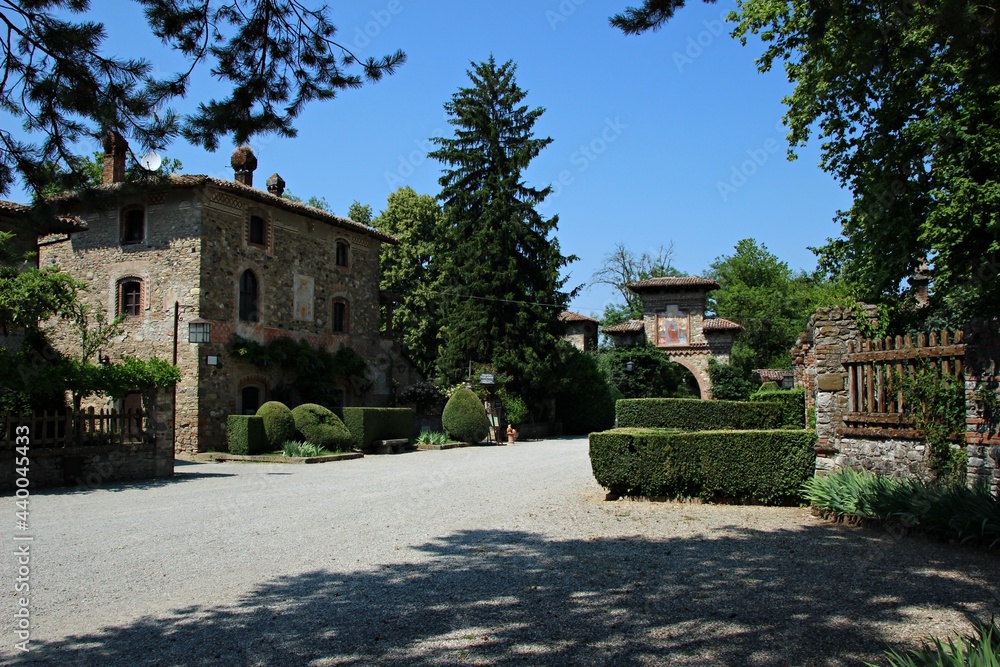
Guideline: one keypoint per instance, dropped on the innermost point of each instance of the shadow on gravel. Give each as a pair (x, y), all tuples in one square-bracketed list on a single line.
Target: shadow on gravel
[(180, 476), (810, 596)]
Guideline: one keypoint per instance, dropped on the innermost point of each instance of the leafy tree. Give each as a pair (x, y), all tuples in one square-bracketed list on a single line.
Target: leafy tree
[(623, 267), (316, 202), (92, 170), (496, 258), (29, 295), (903, 98), (360, 212), (772, 302), (652, 374), (407, 272), (269, 59), (729, 382), (584, 401)]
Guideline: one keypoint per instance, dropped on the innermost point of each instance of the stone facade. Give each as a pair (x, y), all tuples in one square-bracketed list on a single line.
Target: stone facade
[(581, 331), (312, 276), (674, 321)]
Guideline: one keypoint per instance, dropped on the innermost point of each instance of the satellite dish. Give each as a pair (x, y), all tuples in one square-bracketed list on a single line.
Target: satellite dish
[(151, 161)]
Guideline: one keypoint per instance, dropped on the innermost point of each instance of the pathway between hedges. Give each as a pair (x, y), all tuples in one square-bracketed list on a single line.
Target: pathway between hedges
[(487, 555)]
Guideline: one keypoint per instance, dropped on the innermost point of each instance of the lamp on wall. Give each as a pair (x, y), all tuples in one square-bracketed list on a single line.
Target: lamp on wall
[(788, 382), (213, 360), (199, 331), (629, 366)]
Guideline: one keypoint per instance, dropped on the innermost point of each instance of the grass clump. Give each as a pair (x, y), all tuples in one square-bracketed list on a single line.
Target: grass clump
[(946, 509), (298, 448), (980, 650), (428, 437)]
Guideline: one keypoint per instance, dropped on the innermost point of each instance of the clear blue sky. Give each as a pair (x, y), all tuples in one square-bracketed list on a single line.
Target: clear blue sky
[(671, 136)]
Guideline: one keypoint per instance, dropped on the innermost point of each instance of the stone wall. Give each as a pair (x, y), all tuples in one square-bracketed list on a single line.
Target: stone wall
[(820, 371)]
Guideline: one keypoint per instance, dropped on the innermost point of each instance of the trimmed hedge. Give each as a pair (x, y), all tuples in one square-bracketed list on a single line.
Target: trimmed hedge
[(793, 405), (766, 466), (279, 424), (245, 434), (693, 414), (369, 424), (464, 417), (322, 427)]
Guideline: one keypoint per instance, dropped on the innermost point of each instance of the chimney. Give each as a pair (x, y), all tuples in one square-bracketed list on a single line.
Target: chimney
[(244, 162), (920, 282), (115, 148), (276, 185)]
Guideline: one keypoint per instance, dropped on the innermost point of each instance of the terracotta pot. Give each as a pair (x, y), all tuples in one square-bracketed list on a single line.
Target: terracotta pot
[(512, 434)]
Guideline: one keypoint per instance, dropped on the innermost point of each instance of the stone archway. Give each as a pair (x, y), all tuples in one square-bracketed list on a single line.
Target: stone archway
[(699, 370)]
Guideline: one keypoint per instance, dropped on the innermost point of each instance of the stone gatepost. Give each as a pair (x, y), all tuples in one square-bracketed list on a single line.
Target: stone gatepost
[(831, 330)]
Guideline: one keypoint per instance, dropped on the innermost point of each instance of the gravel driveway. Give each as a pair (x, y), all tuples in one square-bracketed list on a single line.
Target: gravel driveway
[(486, 555)]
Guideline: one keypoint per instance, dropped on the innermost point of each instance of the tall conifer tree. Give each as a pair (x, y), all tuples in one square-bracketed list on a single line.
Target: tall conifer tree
[(498, 261)]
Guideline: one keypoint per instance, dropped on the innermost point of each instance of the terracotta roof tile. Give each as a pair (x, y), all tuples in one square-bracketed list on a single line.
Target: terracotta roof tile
[(652, 284), (631, 326), (720, 324), (570, 316)]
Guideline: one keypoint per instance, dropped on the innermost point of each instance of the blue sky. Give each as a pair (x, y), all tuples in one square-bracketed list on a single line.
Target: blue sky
[(671, 136)]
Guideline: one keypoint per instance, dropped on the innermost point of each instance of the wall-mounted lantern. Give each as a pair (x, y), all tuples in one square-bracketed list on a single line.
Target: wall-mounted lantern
[(629, 366), (213, 360), (788, 382), (199, 331)]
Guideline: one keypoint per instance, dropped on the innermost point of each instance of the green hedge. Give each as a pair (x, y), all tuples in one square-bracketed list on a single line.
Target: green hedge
[(793, 405), (245, 434), (692, 414), (767, 466), (369, 424)]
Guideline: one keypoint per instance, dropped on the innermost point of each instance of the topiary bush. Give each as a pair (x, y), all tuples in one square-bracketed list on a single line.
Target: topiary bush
[(793, 405), (369, 424), (322, 427), (245, 435), (751, 465), (697, 415), (464, 417), (279, 424)]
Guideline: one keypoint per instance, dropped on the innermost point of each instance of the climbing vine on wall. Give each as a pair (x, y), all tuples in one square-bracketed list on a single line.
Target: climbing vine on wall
[(318, 373), (937, 404)]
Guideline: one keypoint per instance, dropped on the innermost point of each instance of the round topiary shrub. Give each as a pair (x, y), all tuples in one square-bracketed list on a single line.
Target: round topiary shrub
[(279, 424), (464, 417), (321, 427)]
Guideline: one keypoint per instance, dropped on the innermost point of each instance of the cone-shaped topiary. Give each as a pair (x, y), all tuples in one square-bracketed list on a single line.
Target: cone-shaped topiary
[(279, 424), (321, 427), (464, 417)]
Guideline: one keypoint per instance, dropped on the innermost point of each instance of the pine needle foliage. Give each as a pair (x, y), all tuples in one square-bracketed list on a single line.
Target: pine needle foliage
[(497, 255)]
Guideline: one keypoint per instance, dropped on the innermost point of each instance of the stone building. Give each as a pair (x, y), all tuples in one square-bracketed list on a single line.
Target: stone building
[(581, 331), (674, 321), (193, 261)]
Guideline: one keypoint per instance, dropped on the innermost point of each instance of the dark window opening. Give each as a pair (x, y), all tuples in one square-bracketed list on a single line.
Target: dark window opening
[(341, 253), (248, 297), (250, 400), (257, 230), (133, 226), (130, 298), (340, 317)]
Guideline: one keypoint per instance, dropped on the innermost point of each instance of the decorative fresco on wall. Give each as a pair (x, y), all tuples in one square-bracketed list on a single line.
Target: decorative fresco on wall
[(304, 288), (672, 327)]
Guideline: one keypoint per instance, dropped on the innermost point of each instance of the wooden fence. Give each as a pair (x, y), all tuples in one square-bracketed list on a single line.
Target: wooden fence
[(875, 402), (68, 428)]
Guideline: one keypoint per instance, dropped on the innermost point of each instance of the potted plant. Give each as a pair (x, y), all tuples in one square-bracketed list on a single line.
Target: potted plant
[(517, 414)]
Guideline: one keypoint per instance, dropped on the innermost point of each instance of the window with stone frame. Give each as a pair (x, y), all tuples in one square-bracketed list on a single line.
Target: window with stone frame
[(343, 253), (129, 297), (340, 316), (249, 297), (133, 225), (257, 234)]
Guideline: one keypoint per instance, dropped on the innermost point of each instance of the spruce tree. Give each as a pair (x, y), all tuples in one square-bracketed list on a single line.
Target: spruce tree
[(498, 262)]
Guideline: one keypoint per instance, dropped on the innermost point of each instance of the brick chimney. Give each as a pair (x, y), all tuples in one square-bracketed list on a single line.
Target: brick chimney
[(276, 185), (920, 282), (244, 162), (115, 148)]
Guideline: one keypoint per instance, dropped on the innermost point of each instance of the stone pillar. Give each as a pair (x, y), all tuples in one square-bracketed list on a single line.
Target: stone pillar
[(162, 424), (982, 369), (832, 329)]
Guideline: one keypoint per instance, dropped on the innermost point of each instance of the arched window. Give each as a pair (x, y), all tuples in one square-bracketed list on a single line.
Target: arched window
[(258, 230), (129, 297), (250, 399), (340, 316), (249, 297), (342, 253), (133, 225)]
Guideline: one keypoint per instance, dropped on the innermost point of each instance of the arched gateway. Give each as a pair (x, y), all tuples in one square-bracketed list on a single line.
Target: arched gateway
[(674, 321)]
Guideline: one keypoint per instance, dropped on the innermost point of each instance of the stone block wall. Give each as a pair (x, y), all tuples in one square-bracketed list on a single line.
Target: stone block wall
[(90, 467)]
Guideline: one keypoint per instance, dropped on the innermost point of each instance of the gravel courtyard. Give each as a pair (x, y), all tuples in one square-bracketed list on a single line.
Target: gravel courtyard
[(486, 555)]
